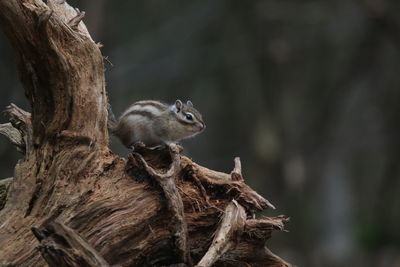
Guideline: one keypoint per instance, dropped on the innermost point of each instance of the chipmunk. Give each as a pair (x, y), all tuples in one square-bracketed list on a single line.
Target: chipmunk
[(155, 123)]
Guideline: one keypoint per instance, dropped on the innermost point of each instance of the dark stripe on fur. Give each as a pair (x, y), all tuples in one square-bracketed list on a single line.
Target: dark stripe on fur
[(155, 104), (141, 113)]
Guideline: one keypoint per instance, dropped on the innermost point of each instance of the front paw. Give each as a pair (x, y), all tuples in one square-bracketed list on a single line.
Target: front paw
[(175, 147), (138, 146)]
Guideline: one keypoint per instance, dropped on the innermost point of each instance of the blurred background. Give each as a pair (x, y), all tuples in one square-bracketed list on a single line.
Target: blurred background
[(307, 93)]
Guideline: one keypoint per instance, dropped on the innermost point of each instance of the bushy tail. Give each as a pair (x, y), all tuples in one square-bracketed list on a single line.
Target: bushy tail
[(112, 121)]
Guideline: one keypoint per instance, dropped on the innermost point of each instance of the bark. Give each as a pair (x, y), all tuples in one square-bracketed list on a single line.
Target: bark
[(4, 185), (61, 246), (89, 206)]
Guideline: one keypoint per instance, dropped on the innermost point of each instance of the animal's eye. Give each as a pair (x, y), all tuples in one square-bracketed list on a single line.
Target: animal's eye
[(189, 116)]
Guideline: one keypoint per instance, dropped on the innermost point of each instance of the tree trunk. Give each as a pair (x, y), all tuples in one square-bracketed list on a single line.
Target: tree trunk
[(89, 207)]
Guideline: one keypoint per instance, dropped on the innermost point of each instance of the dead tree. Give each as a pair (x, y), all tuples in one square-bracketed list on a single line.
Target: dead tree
[(72, 202)]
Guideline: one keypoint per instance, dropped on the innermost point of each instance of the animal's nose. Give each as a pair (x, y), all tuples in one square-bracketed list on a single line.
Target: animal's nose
[(201, 126)]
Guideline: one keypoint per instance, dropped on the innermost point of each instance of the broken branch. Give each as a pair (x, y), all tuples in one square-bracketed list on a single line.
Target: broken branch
[(19, 130), (174, 201), (236, 174), (74, 22), (14, 135), (227, 234)]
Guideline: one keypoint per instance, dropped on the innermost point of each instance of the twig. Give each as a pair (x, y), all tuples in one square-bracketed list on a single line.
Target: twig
[(174, 200), (236, 174), (74, 22), (227, 234)]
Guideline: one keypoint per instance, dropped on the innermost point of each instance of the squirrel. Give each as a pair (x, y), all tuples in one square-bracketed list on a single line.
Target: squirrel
[(155, 123)]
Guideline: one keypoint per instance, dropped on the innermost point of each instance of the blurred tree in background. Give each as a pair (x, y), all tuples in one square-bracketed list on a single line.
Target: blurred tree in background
[(305, 92)]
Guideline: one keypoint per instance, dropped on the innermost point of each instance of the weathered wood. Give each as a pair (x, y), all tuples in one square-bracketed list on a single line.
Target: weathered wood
[(19, 129), (14, 135), (231, 185), (166, 181), (61, 246), (70, 175), (4, 185), (227, 234), (236, 173), (61, 70)]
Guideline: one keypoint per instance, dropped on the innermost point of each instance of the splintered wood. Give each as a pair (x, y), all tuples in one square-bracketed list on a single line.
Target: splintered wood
[(61, 246), (217, 195)]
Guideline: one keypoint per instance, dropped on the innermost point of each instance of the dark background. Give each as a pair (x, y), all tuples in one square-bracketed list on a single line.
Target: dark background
[(305, 92)]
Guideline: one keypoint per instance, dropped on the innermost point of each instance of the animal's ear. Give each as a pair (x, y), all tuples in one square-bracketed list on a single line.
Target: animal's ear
[(178, 105), (189, 103)]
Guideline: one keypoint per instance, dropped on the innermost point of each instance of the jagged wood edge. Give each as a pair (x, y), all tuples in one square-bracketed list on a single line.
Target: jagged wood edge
[(70, 16), (250, 247), (14, 135), (236, 188), (62, 246), (174, 201), (234, 228), (225, 237), (19, 132), (19, 129), (253, 233), (4, 186)]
